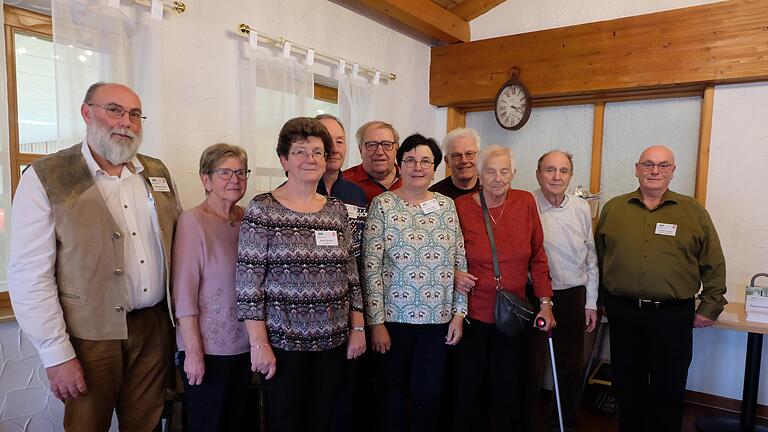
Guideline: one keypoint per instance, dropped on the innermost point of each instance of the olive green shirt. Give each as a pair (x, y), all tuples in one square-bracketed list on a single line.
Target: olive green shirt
[(642, 255)]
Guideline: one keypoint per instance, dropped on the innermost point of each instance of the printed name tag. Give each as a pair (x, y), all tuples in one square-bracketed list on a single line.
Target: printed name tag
[(326, 238), (353, 211), (159, 184), (666, 229), (429, 206)]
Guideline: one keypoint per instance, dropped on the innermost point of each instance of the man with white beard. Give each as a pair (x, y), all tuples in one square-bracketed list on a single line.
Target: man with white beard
[(91, 233)]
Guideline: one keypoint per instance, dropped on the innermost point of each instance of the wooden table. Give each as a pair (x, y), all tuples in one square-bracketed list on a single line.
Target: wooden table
[(734, 318)]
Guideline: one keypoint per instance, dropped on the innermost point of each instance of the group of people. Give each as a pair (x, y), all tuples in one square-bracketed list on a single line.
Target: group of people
[(362, 296)]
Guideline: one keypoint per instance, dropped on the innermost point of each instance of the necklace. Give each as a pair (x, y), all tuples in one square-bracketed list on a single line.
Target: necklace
[(493, 219), (234, 214)]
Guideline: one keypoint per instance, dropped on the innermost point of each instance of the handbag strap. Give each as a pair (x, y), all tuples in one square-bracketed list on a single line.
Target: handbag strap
[(489, 230)]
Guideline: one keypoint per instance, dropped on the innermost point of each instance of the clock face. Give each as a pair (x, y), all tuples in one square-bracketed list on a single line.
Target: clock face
[(513, 106)]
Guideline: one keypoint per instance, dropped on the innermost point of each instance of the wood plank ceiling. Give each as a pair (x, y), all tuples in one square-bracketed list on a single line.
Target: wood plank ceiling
[(446, 21)]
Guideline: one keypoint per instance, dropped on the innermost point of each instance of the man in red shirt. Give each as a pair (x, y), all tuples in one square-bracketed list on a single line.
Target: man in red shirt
[(378, 142)]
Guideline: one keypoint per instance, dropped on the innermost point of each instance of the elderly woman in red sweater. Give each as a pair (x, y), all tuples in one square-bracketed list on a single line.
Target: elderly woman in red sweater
[(486, 364)]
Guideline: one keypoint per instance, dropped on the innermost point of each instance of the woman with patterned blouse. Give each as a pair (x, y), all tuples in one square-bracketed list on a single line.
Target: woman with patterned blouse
[(412, 250), (297, 285)]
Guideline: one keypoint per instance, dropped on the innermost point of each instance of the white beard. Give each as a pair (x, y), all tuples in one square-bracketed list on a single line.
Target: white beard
[(100, 139)]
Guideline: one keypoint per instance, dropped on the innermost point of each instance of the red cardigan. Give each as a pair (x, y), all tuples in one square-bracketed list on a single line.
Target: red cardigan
[(519, 247)]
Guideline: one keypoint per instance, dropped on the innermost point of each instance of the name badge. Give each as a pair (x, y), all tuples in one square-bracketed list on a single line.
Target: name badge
[(159, 184), (326, 238), (666, 229), (353, 211), (429, 206)]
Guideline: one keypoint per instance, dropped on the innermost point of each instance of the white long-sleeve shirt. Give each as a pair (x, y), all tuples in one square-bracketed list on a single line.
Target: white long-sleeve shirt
[(31, 267), (570, 244)]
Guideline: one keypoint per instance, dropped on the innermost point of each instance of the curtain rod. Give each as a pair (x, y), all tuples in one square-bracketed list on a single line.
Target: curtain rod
[(177, 6), (245, 30)]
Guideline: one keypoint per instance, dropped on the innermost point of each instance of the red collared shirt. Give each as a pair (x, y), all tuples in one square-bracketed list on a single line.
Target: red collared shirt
[(371, 187)]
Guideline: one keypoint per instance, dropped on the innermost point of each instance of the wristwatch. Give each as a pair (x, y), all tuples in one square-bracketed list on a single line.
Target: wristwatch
[(548, 302)]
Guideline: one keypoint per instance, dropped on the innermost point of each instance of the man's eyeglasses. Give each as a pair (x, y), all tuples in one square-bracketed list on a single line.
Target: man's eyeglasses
[(648, 166), (373, 145), (226, 173), (116, 112), (304, 154), (457, 157), (425, 163)]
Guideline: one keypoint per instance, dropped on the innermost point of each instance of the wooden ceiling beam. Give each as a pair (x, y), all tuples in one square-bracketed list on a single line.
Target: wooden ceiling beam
[(716, 43), (425, 17), (471, 9)]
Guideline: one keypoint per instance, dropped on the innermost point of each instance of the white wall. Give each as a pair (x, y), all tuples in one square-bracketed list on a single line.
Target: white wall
[(200, 90), (522, 16), (200, 107), (737, 183), (736, 201)]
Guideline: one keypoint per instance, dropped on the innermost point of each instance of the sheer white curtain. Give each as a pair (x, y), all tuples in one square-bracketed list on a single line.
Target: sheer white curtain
[(5, 161), (96, 41), (356, 97), (272, 89)]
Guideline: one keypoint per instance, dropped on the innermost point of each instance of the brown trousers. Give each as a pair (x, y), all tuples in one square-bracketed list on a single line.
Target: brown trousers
[(129, 376)]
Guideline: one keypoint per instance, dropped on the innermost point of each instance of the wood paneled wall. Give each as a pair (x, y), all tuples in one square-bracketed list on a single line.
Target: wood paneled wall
[(683, 49)]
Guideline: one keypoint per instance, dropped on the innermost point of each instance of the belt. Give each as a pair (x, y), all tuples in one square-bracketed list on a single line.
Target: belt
[(652, 304)]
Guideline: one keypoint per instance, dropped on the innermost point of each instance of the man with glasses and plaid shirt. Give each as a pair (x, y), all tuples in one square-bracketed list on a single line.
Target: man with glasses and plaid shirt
[(88, 275), (656, 249), (378, 142), (461, 146)]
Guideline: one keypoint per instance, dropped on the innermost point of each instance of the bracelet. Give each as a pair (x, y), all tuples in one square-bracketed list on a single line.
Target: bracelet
[(463, 315), (358, 329), (257, 346)]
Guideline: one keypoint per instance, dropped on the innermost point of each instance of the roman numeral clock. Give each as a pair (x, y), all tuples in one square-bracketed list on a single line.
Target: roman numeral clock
[(513, 103)]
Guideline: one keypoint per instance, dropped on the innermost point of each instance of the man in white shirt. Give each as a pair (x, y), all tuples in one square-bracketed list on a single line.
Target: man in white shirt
[(570, 246), (91, 232)]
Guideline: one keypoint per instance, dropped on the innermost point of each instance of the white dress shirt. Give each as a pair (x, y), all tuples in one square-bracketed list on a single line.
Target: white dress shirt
[(569, 244), (31, 266)]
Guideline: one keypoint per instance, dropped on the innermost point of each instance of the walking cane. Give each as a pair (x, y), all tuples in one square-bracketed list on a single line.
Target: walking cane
[(540, 324)]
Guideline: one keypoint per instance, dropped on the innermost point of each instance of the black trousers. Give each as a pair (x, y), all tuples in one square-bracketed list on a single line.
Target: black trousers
[(568, 341), (300, 395), (412, 377), (220, 403), (359, 398), (651, 351), (485, 378)]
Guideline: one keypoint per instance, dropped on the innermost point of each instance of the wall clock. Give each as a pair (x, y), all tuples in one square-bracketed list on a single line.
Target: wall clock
[(513, 103)]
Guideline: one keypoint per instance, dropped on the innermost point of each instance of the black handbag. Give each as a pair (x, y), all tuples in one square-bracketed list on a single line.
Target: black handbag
[(512, 314)]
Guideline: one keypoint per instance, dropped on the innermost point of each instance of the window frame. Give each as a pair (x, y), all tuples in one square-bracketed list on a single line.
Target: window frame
[(32, 23), (19, 20)]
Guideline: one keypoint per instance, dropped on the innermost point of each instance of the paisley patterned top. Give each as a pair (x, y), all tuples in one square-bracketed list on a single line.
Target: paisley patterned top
[(290, 275), (409, 257)]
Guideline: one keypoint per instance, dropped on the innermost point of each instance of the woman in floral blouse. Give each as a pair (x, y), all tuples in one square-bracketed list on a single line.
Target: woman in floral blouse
[(412, 251)]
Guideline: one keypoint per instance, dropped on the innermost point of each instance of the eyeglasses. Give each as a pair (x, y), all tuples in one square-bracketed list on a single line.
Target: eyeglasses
[(457, 157), (648, 166), (226, 173), (373, 145), (116, 112), (553, 170), (304, 154), (425, 163)]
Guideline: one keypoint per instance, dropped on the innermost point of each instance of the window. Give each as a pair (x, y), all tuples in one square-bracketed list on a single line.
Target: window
[(31, 107), (31, 88)]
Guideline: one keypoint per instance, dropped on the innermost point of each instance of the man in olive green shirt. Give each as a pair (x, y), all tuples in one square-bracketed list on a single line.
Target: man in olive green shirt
[(656, 249)]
